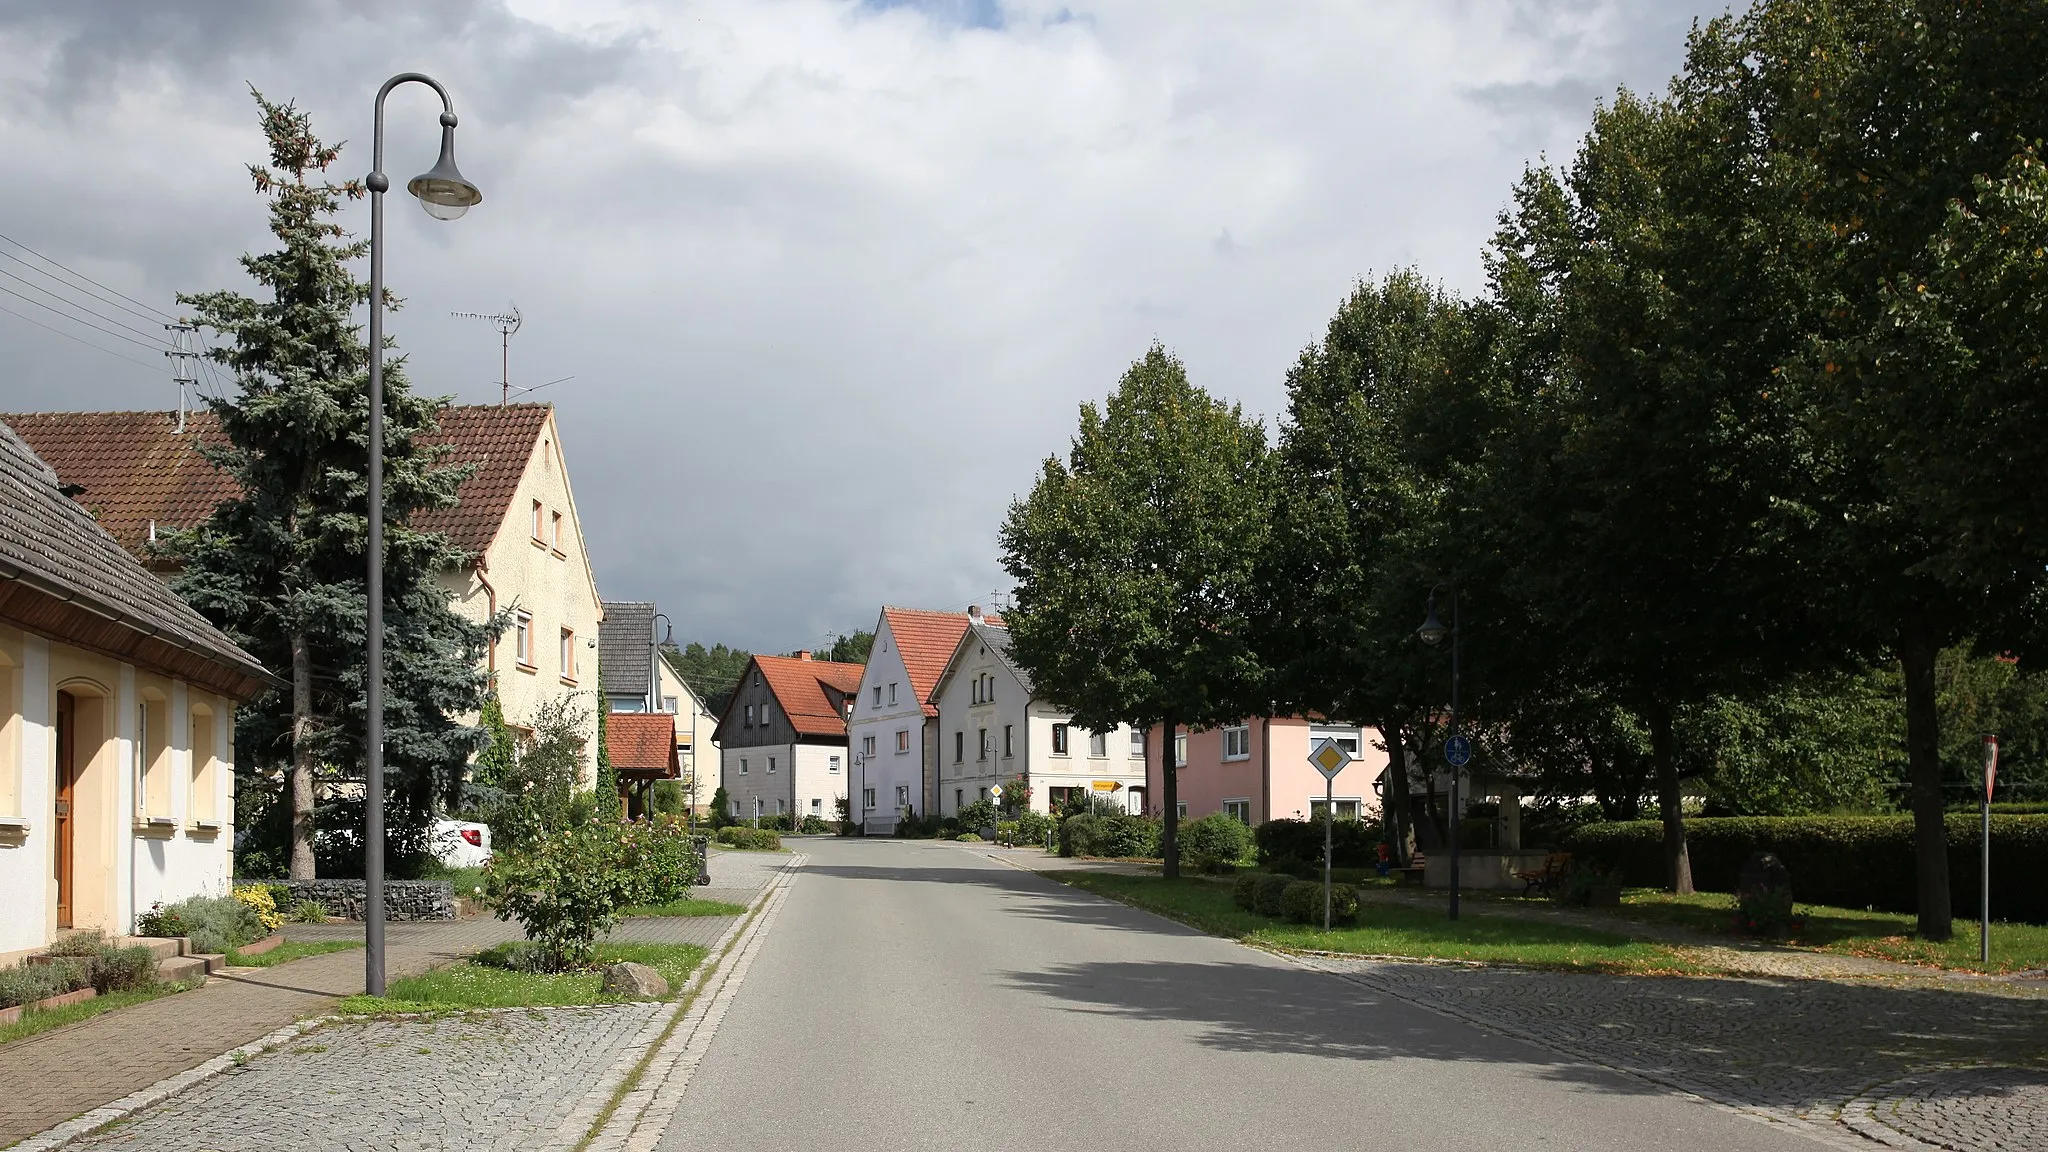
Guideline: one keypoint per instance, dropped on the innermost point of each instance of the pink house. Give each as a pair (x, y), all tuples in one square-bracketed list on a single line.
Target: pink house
[(1258, 770)]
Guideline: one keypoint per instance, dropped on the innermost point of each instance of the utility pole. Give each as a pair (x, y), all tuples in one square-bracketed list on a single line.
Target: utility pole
[(183, 359), (508, 323)]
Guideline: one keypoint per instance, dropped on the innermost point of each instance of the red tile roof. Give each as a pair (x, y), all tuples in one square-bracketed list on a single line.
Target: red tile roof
[(804, 690), (926, 641), (643, 743), (136, 468)]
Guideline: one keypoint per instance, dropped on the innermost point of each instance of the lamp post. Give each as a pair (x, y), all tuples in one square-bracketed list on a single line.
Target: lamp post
[(654, 687), (1432, 633), (445, 195)]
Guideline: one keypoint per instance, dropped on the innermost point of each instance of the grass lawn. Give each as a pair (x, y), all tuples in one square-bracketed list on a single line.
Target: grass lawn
[(1852, 932), (34, 1022), (686, 907), (289, 951), (466, 985), (1389, 930), (464, 880)]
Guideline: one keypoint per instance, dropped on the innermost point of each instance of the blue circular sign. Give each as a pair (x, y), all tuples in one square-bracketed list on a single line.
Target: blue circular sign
[(1458, 750)]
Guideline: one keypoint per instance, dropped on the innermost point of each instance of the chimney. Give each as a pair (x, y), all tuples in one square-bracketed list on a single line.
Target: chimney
[(803, 654), (974, 613)]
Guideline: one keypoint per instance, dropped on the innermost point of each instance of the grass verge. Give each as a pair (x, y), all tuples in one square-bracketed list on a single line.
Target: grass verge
[(1851, 932), (686, 907), (289, 951), (34, 1022), (1391, 930), (458, 987)]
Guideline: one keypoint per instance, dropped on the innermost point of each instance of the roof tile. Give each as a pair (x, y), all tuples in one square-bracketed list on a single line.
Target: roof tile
[(801, 690), (642, 742)]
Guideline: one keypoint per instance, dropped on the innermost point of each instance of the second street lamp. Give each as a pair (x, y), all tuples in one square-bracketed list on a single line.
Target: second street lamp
[(445, 195), (1456, 748)]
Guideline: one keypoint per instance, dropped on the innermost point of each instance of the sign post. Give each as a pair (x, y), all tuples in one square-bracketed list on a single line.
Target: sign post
[(1457, 753), (1329, 758), (1984, 848)]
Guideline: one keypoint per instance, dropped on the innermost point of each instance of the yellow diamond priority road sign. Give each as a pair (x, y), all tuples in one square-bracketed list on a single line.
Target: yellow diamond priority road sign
[(1329, 758)]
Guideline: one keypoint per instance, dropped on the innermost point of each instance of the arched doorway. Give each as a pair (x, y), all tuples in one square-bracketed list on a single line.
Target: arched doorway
[(64, 820)]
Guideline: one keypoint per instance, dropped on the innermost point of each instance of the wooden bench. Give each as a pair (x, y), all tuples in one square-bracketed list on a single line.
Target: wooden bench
[(1548, 877)]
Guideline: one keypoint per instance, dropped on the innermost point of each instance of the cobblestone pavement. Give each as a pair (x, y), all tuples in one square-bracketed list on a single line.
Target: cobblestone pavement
[(502, 1080), (1912, 1067), (54, 1076)]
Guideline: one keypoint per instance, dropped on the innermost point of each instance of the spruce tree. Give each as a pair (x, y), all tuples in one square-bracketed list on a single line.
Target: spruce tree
[(281, 567)]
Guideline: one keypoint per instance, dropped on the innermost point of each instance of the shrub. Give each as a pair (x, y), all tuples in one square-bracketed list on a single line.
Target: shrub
[(721, 809), (978, 815), (1267, 896), (1032, 827), (814, 826), (1215, 842), (260, 900), (309, 912), (1353, 843), (566, 889), (28, 983), (1847, 861), (512, 956), (213, 923), (160, 921), (1245, 893), (114, 969), (1116, 835), (659, 852), (1006, 831), (749, 839), (968, 838), (1302, 902), (84, 943)]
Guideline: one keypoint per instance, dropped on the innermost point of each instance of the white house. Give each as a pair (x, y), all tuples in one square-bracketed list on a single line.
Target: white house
[(783, 737), (992, 731), (894, 729)]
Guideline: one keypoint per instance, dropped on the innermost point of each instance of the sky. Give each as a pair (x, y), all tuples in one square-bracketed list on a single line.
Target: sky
[(830, 278)]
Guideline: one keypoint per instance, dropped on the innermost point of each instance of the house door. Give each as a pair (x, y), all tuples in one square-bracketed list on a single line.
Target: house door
[(67, 744)]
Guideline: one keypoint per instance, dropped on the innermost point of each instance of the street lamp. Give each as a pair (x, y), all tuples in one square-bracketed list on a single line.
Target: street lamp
[(654, 689), (1432, 633), (445, 195)]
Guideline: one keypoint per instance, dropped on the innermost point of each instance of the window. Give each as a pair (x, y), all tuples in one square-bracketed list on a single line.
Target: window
[(1181, 809), (957, 802), (668, 705), (1345, 736), (1347, 809), (1180, 750), (1239, 810), (152, 760), (1098, 745), (974, 693), (205, 772), (1138, 743), (771, 769), (1237, 742), (959, 747), (983, 754), (983, 790), (1059, 739), (833, 767), (760, 806), (781, 806), (902, 796), (867, 798), (522, 639), (867, 745), (1009, 747), (555, 531), (733, 808), (749, 722), (569, 655), (743, 765), (757, 677), (536, 523), (817, 806), (878, 695), (903, 740), (892, 692)]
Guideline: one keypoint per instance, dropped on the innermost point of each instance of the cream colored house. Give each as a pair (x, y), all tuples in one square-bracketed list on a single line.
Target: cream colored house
[(117, 707), (515, 515), (630, 656)]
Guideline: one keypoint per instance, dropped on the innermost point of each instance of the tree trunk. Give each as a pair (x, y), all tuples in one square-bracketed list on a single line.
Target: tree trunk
[(1394, 802), (302, 758), (1917, 651), (1677, 861), (1169, 783)]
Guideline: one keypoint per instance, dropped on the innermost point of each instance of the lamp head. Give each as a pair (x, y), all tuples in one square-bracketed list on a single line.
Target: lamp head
[(1432, 631), (443, 191)]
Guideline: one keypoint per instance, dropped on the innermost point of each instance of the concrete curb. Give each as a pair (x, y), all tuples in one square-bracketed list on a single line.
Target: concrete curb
[(57, 1136)]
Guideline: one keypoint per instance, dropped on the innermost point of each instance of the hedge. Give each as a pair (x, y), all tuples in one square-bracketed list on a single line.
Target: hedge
[(1354, 843), (1846, 861)]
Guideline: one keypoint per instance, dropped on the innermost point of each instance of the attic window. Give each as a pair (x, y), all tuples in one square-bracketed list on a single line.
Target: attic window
[(555, 531), (537, 537)]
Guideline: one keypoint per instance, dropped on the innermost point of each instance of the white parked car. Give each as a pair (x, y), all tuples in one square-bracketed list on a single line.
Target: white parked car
[(462, 843)]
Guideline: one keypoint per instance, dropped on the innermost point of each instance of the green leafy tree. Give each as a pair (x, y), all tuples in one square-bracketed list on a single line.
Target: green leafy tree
[(852, 649), (540, 791), (281, 566), (1134, 565), (500, 752)]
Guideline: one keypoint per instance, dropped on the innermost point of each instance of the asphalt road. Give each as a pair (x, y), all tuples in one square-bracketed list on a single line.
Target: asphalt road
[(920, 995)]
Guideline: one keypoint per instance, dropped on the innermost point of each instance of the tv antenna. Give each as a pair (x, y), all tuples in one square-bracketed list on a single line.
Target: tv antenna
[(508, 323)]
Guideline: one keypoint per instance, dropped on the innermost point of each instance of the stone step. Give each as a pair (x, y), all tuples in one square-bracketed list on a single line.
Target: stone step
[(177, 969), (162, 947)]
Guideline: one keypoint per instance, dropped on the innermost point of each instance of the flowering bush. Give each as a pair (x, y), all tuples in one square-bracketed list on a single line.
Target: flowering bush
[(258, 899), (567, 888)]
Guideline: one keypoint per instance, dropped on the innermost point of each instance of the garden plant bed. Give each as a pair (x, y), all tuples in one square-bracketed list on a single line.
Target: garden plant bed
[(467, 985), (259, 947), (64, 1000), (685, 908), (1392, 930)]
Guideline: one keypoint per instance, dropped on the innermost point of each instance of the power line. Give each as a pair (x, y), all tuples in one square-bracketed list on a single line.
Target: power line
[(157, 313), (68, 302), (78, 339), (87, 323)]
